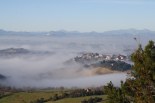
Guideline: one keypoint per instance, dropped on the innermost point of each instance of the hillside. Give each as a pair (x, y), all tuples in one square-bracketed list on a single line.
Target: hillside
[(112, 62)]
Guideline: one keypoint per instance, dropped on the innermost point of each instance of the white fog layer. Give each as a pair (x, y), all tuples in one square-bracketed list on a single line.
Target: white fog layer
[(45, 65)]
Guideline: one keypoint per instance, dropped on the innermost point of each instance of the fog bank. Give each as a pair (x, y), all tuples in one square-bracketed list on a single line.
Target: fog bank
[(51, 70)]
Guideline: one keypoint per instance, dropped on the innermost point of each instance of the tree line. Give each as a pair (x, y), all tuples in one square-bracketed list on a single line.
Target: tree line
[(74, 94)]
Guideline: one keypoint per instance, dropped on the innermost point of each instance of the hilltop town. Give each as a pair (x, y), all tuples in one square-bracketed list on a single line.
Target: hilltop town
[(88, 58), (112, 62)]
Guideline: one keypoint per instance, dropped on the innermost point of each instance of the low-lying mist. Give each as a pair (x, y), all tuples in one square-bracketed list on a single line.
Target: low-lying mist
[(51, 69)]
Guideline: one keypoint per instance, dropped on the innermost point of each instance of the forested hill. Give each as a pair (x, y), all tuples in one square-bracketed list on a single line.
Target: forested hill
[(113, 65)]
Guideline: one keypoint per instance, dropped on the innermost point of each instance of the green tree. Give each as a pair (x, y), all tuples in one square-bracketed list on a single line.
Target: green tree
[(115, 95), (140, 87), (142, 84)]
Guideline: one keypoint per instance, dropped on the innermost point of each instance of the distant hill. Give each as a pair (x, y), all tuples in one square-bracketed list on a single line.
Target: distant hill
[(4, 32), (12, 52), (2, 77), (9, 52), (113, 65), (76, 33), (130, 32)]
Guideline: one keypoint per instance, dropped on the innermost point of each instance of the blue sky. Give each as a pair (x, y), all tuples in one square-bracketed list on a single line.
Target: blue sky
[(79, 15)]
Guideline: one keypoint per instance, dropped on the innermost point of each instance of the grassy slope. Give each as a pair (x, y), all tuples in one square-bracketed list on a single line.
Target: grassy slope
[(25, 97), (74, 100)]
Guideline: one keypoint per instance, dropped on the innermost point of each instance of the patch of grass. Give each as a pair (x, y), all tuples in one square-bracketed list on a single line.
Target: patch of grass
[(75, 100), (26, 97)]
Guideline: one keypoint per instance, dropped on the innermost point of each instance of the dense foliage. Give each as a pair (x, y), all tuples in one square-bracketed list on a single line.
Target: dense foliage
[(115, 65), (92, 100), (140, 87)]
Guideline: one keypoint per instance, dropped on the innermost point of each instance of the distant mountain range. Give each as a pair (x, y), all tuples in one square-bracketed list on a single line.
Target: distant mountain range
[(73, 33)]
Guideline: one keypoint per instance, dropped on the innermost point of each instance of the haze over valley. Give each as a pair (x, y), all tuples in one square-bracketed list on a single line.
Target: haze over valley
[(48, 59)]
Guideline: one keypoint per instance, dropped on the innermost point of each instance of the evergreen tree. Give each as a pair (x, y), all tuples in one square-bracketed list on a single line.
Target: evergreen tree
[(115, 95), (140, 87), (142, 84)]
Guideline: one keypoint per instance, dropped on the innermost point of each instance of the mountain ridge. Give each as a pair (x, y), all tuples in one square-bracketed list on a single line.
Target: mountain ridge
[(64, 32)]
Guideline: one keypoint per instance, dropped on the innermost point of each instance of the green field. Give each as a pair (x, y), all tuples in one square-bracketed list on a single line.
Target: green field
[(27, 97), (75, 100)]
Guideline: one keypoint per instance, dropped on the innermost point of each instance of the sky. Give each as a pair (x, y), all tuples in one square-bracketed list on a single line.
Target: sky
[(76, 15)]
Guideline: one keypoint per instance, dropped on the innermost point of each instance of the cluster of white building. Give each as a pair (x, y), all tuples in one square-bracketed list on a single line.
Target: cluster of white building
[(97, 56)]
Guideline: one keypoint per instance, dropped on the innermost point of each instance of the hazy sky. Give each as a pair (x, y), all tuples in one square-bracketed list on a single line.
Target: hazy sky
[(80, 15)]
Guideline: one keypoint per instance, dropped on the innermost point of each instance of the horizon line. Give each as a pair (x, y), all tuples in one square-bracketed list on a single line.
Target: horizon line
[(63, 30)]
